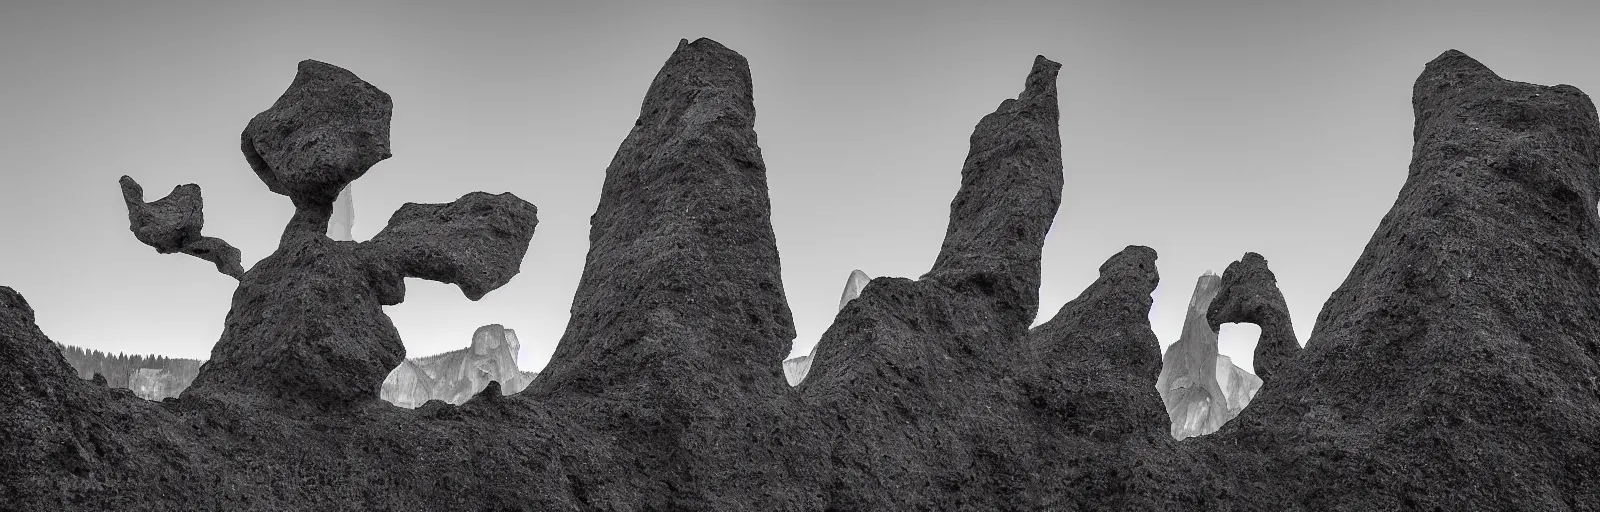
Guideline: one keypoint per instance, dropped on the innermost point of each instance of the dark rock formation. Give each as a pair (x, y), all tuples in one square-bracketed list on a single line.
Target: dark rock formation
[(680, 323), (172, 224), (916, 382), (1201, 389), (1455, 369), (322, 134), (1249, 294), (307, 325), (795, 369), (456, 376)]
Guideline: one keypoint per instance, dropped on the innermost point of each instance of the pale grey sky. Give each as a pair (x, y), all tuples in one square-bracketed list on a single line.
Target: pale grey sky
[(1203, 129)]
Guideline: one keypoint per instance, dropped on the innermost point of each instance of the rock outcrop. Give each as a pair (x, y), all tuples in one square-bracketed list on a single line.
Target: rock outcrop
[(1455, 368), (1249, 294), (919, 379), (795, 369), (456, 376), (1202, 390), (307, 326), (681, 305)]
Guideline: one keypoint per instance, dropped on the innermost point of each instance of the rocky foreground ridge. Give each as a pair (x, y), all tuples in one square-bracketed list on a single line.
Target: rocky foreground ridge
[(1455, 368)]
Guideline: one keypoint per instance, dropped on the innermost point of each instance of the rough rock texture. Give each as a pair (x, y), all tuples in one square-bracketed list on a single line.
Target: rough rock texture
[(307, 326), (1456, 366), (1249, 294), (680, 323), (795, 369), (344, 217), (1200, 390), (456, 376), (172, 224), (916, 383), (1455, 369), (322, 134)]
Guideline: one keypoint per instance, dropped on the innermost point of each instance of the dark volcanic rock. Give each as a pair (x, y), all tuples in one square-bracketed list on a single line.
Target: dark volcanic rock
[(1455, 369), (916, 381), (307, 325), (172, 224), (322, 134), (1456, 366), (476, 242), (679, 323), (1249, 294)]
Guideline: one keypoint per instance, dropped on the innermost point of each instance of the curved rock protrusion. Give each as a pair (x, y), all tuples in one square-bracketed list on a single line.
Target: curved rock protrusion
[(476, 242), (172, 224), (1249, 293)]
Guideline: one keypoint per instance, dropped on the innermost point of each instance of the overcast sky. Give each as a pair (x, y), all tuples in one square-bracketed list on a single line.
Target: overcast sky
[(1203, 129)]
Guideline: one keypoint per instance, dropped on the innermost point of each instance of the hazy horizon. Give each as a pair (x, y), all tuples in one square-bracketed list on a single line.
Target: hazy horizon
[(1203, 131)]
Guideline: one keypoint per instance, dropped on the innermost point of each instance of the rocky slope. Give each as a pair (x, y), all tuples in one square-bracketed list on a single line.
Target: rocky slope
[(456, 376), (1202, 390), (796, 368), (1455, 369)]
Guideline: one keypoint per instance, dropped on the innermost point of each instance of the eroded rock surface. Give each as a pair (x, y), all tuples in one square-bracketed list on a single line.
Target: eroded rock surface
[(1249, 293), (1454, 369), (172, 224)]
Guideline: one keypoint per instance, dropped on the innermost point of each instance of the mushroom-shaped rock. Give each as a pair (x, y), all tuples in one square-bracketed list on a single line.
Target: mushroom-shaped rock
[(1249, 294), (476, 242), (172, 224), (325, 131)]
